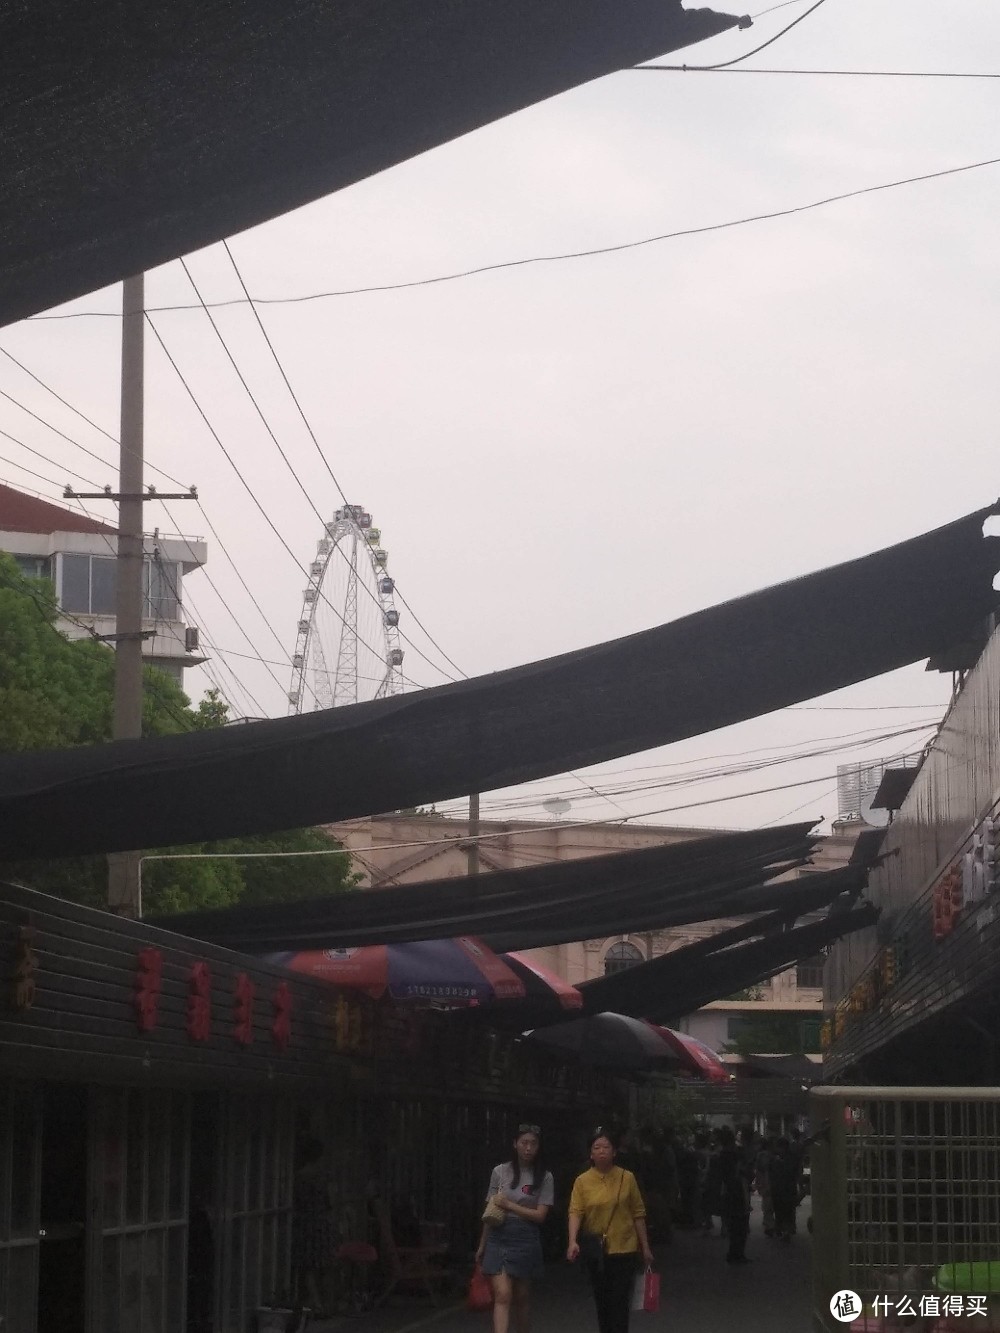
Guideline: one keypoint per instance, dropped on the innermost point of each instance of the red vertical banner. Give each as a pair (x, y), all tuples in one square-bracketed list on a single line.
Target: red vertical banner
[(281, 1026), (198, 1019), (147, 986), (243, 1010)]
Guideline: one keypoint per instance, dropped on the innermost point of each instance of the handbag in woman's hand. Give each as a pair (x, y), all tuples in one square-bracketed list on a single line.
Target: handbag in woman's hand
[(494, 1215)]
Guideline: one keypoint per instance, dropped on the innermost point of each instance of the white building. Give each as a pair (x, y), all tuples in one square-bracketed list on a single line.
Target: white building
[(78, 555)]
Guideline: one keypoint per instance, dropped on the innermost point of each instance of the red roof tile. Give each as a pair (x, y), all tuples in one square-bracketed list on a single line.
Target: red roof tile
[(26, 513)]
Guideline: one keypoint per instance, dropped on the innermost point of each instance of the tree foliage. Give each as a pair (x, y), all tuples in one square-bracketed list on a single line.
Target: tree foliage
[(56, 693)]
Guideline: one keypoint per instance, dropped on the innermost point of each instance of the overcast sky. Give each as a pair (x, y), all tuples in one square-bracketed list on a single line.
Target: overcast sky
[(562, 453)]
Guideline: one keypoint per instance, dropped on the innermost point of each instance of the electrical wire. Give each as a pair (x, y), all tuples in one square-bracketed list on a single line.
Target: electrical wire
[(83, 416), (725, 64), (555, 258), (375, 652), (211, 583), (45, 458), (833, 73), (325, 460), (37, 475)]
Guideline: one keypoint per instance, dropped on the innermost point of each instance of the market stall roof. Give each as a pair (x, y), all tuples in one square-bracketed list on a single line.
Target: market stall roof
[(680, 982), (564, 901), (134, 133), (734, 661)]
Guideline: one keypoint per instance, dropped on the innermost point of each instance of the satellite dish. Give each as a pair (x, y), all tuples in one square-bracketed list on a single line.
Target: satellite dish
[(556, 805)]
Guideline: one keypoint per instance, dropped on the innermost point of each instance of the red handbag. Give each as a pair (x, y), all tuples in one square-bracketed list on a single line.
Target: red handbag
[(480, 1293)]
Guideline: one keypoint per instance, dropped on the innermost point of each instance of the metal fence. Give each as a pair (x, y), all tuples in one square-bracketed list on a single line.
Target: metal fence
[(906, 1207)]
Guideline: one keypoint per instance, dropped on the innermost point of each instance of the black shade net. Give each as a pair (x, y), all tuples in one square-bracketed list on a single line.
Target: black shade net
[(734, 661), (567, 900), (134, 133)]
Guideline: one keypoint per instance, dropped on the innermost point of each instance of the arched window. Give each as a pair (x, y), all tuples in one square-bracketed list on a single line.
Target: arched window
[(620, 957)]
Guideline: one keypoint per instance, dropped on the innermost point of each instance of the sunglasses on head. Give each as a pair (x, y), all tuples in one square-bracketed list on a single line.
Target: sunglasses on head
[(528, 1129)]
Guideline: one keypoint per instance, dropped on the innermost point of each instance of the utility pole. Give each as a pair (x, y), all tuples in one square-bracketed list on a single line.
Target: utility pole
[(123, 867), (472, 850)]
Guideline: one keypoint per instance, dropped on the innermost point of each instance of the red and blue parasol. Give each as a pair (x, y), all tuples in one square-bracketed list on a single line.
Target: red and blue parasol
[(460, 971)]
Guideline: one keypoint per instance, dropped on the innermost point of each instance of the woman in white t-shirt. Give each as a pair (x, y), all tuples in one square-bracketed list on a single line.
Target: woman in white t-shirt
[(510, 1252)]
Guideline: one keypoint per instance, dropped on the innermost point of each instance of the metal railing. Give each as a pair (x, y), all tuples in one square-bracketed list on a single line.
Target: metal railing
[(906, 1206)]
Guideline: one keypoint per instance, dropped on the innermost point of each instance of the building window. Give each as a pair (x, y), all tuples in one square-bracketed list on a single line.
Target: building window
[(89, 582), (809, 973), (620, 957), (33, 566)]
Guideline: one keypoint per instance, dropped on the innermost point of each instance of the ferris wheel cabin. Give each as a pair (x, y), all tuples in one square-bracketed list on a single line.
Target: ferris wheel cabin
[(356, 512), (392, 618), (386, 586)]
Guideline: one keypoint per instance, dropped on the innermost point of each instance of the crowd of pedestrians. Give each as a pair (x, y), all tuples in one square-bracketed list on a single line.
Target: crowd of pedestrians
[(709, 1177)]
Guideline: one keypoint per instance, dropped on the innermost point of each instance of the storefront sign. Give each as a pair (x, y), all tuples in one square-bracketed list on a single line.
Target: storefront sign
[(22, 977), (243, 1010), (198, 1011), (281, 1026), (146, 988)]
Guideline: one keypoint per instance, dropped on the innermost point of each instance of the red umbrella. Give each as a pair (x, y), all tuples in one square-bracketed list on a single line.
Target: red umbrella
[(694, 1054), (459, 971), (540, 981)]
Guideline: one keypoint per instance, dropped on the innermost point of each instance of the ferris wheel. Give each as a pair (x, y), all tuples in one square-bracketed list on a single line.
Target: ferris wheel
[(347, 645)]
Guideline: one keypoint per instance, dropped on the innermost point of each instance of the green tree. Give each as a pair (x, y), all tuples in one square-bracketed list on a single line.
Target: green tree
[(56, 693)]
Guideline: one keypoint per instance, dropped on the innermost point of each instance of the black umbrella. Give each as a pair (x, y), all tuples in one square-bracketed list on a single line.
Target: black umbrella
[(613, 1041)]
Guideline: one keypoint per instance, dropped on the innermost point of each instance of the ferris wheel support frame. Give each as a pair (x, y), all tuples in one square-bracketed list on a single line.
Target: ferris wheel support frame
[(355, 523)]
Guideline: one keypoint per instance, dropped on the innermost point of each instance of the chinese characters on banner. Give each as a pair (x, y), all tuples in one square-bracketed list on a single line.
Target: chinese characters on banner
[(146, 987), (281, 1025), (198, 1011), (243, 1010)]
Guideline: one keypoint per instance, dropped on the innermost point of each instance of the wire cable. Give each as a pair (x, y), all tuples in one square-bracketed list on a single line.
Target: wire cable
[(725, 64), (288, 463), (324, 459), (833, 73), (46, 459), (566, 255)]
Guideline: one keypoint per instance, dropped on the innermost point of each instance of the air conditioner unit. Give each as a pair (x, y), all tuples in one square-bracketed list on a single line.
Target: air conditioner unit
[(191, 639)]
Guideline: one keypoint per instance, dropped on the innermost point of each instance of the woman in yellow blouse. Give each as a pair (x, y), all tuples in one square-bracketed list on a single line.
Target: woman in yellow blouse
[(607, 1210)]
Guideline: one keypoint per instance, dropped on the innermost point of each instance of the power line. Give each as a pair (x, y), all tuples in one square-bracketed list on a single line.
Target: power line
[(832, 73), (37, 475), (46, 459), (211, 583), (83, 416), (325, 460), (566, 255), (232, 462), (285, 459), (770, 42)]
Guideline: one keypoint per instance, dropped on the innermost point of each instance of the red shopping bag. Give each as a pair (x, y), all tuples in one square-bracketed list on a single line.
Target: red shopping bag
[(651, 1292), (480, 1293)]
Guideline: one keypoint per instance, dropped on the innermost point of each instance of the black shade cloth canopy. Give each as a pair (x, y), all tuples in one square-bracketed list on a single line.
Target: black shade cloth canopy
[(680, 982), (134, 133), (565, 901), (737, 660)]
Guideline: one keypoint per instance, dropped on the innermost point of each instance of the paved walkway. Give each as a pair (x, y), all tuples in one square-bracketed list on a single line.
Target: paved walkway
[(700, 1293)]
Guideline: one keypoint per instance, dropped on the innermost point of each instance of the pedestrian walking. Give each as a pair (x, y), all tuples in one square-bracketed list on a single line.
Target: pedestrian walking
[(783, 1173), (734, 1172), (607, 1226), (762, 1184), (315, 1234), (520, 1194)]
